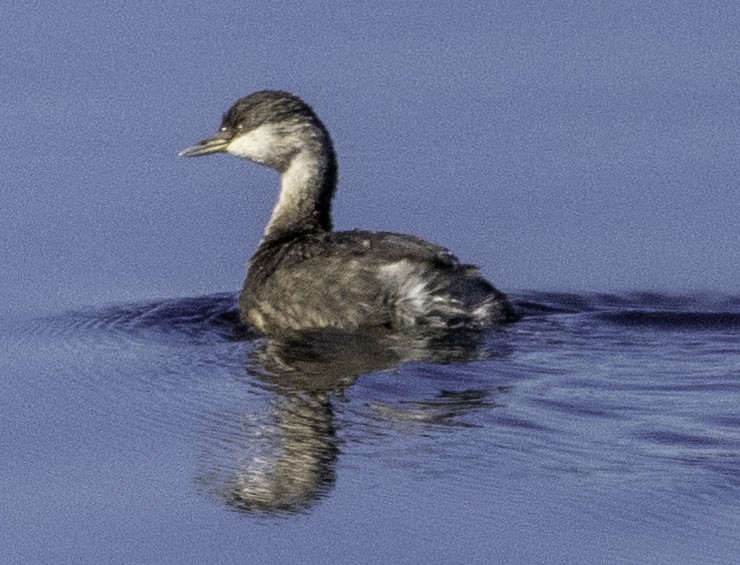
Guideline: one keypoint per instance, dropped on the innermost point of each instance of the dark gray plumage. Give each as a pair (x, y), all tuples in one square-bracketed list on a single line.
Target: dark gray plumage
[(304, 276)]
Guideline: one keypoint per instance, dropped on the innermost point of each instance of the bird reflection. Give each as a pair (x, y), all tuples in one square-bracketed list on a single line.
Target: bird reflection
[(296, 467), (295, 464)]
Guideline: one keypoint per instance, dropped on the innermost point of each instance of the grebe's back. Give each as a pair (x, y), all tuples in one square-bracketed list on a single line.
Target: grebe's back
[(354, 280)]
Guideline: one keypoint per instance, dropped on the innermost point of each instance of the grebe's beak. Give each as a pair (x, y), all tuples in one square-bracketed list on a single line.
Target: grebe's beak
[(215, 144)]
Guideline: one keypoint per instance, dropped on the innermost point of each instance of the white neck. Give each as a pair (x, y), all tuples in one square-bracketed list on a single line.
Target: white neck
[(301, 185), (305, 157)]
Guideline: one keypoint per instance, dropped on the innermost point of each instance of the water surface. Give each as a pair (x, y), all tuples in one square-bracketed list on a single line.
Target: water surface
[(600, 428)]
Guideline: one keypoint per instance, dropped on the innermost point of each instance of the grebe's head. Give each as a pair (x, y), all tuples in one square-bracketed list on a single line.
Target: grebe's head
[(268, 127)]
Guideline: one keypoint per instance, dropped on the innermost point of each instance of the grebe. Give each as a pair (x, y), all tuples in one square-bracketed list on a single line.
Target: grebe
[(304, 276)]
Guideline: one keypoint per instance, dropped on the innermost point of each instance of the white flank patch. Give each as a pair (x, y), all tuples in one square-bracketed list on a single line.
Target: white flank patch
[(482, 313), (409, 286)]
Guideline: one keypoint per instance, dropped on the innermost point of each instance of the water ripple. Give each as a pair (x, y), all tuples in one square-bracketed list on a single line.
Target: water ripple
[(616, 395)]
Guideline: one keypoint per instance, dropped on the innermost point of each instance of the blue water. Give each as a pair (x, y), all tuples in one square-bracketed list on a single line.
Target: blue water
[(598, 429)]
